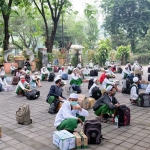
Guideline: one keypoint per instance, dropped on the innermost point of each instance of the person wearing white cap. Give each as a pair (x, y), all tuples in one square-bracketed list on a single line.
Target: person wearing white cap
[(36, 79), (134, 91), (49, 66), (2, 70), (3, 82), (70, 114), (125, 72), (86, 70), (95, 84), (13, 69), (96, 67), (22, 86), (62, 71), (107, 104), (70, 68), (55, 92), (44, 73), (112, 75)]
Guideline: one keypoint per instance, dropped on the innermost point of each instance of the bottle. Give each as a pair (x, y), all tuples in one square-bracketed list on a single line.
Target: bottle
[(116, 121)]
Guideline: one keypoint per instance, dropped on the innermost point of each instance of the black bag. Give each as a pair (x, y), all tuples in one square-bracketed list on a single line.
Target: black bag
[(143, 100), (92, 73), (53, 107), (51, 77), (119, 70), (1, 89), (92, 129), (96, 93), (91, 82), (148, 69), (15, 80), (123, 113), (127, 89), (149, 77), (95, 73), (32, 95)]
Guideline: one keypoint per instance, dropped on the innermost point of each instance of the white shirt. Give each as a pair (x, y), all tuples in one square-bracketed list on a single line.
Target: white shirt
[(75, 77), (95, 67), (79, 66), (3, 82), (90, 90), (49, 65), (91, 65), (147, 89), (70, 67), (65, 112), (60, 72), (125, 71), (107, 81), (110, 72), (44, 71), (13, 68), (133, 93), (37, 77), (86, 71), (2, 72), (22, 85)]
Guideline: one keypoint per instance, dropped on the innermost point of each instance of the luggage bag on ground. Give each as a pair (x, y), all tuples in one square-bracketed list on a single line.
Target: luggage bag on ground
[(32, 95), (143, 100), (51, 77), (91, 82)]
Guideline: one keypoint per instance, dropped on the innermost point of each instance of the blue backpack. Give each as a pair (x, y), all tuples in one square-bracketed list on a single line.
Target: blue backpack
[(64, 76)]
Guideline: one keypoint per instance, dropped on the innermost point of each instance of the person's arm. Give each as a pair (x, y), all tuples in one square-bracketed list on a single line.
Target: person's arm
[(5, 82), (125, 71), (110, 82), (109, 104), (83, 112), (52, 91)]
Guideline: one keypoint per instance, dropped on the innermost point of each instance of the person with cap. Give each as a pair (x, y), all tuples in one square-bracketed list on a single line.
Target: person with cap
[(36, 79), (86, 71), (44, 73), (62, 71), (26, 70), (70, 68), (125, 72), (22, 86), (128, 66), (13, 69), (95, 84), (112, 75), (2, 71), (56, 91), (70, 114), (49, 67), (18, 72), (27, 64), (96, 67), (91, 64), (4, 83), (134, 90), (79, 66), (107, 104)]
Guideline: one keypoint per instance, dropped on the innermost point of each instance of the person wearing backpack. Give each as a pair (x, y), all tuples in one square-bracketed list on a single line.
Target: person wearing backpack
[(70, 114), (134, 91), (107, 104), (96, 82), (22, 86)]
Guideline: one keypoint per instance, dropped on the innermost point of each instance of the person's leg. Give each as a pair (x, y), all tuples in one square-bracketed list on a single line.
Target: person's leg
[(68, 124), (43, 77)]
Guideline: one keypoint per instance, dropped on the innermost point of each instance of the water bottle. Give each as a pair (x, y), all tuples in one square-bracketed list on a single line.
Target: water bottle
[(116, 121)]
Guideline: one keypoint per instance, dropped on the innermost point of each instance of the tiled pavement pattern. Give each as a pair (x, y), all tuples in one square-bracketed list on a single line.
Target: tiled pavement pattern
[(38, 135)]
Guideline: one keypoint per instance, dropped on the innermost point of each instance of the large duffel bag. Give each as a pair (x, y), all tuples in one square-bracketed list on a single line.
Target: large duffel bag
[(32, 95), (143, 100)]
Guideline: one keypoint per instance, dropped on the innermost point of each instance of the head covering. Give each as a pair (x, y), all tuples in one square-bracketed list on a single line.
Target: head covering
[(135, 79), (36, 73), (95, 79), (109, 88), (22, 77), (57, 78), (44, 67), (73, 95)]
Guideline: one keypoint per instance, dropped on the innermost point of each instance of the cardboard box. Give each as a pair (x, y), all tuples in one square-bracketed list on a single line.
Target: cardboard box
[(138, 72), (83, 101), (64, 140), (81, 140), (91, 102), (144, 82)]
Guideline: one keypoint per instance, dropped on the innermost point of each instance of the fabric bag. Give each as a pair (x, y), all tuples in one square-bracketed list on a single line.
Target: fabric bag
[(51, 77), (53, 107), (91, 82), (64, 76), (143, 100), (15, 80), (96, 93), (32, 95), (23, 115), (92, 129), (123, 113)]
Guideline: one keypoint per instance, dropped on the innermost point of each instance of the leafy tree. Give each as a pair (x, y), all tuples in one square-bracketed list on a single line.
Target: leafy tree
[(133, 16)]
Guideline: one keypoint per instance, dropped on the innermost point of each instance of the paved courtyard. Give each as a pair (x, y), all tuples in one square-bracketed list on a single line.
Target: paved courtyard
[(38, 135)]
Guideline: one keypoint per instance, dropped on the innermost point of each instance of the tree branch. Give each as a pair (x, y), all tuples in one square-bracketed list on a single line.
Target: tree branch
[(51, 9), (38, 7)]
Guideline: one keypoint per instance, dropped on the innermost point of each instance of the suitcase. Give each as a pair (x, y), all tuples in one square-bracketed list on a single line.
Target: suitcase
[(51, 77), (32, 95), (91, 102), (91, 82)]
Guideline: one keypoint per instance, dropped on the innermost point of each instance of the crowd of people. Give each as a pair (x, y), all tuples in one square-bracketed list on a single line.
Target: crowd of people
[(70, 112)]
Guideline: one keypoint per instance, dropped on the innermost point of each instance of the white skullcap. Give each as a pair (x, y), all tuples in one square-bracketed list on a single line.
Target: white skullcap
[(22, 77), (109, 88), (135, 79), (57, 78), (44, 67), (95, 79), (73, 95)]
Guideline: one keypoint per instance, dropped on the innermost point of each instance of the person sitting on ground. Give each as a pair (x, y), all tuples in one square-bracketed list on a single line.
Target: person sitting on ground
[(134, 90), (13, 69), (56, 91), (112, 75), (128, 66), (147, 91), (26, 70), (79, 66), (86, 71), (96, 67), (125, 72), (36, 79), (70, 68), (62, 71), (107, 104), (95, 84), (44, 73), (102, 77), (27, 64), (22, 86), (18, 73), (2, 71), (49, 67), (3, 82), (91, 64), (70, 115), (130, 76)]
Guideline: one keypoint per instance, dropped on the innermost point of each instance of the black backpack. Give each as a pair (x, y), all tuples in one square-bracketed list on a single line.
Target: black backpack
[(1, 89), (51, 77), (92, 129), (53, 107), (95, 73), (128, 87), (92, 73), (143, 100), (32, 95), (119, 70), (148, 69), (96, 93), (149, 77), (91, 82), (123, 113)]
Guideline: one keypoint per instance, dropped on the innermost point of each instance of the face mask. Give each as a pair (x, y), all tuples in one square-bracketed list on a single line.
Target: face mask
[(114, 94), (22, 80), (73, 103)]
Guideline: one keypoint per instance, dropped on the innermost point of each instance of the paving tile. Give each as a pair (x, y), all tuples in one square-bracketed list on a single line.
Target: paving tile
[(126, 145)]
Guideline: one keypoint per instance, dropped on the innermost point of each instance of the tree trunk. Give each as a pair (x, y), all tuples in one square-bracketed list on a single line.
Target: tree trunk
[(132, 43), (6, 33)]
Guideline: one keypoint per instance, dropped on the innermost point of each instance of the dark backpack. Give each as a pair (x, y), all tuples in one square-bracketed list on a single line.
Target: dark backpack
[(149, 77), (15, 80), (64, 76), (91, 82), (96, 93), (32, 95), (123, 113), (143, 100), (51, 77), (128, 87), (148, 69), (92, 73), (95, 73), (53, 107), (92, 129), (119, 70), (1, 89)]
